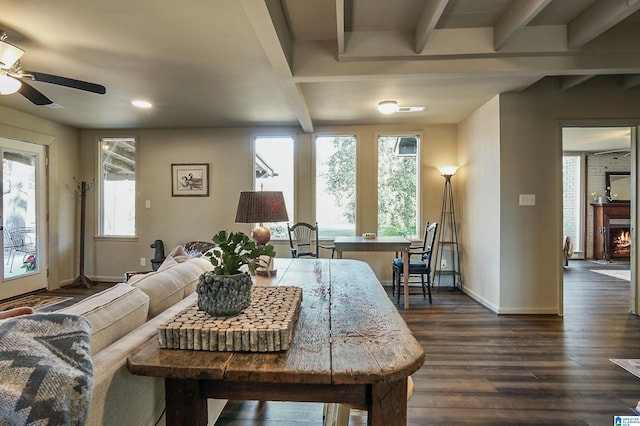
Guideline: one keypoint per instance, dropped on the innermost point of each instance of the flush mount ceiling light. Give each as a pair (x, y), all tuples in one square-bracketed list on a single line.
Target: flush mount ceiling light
[(8, 85), (141, 104), (388, 107)]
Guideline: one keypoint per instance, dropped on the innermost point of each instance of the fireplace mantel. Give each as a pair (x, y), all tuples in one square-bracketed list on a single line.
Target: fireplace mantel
[(605, 217)]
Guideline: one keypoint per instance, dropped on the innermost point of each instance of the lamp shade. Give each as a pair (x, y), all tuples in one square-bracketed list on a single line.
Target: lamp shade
[(448, 170), (261, 206)]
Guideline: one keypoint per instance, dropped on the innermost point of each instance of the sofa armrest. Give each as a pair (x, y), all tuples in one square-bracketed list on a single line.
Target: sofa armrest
[(120, 398)]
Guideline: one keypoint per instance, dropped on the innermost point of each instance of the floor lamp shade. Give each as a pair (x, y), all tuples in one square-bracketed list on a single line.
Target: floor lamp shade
[(261, 207)]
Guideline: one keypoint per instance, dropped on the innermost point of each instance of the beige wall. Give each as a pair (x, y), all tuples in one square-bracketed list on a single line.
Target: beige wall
[(511, 254), (229, 153), (531, 163), (479, 175), (64, 156)]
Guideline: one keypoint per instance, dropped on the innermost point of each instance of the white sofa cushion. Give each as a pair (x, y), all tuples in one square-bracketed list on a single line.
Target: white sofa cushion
[(112, 313), (167, 287), (120, 398)]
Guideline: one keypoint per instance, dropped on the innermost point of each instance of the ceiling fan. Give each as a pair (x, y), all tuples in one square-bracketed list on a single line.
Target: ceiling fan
[(14, 79)]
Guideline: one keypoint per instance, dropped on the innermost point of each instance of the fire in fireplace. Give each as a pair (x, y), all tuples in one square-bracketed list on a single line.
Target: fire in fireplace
[(620, 242)]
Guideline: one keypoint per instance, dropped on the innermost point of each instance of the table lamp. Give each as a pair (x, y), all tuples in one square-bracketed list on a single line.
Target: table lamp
[(261, 207)]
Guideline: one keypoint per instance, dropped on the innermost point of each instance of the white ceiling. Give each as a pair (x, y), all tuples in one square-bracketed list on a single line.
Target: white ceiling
[(307, 63), (596, 139)]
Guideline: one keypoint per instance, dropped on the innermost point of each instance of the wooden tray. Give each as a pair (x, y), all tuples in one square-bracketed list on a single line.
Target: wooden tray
[(265, 326)]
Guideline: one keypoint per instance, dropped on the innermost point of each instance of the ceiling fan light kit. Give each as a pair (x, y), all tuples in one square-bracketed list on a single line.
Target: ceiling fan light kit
[(388, 107), (12, 76), (8, 85), (9, 54)]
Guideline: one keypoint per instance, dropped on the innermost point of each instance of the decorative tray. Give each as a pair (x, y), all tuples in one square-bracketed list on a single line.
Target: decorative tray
[(265, 326)]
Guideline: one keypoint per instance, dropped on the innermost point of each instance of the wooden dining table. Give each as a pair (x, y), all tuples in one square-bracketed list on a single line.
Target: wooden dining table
[(380, 243), (349, 345)]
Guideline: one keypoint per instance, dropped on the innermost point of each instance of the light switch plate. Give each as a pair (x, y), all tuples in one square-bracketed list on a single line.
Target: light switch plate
[(527, 199)]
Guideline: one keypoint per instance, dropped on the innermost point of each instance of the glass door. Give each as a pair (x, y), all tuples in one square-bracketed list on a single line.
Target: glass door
[(24, 266)]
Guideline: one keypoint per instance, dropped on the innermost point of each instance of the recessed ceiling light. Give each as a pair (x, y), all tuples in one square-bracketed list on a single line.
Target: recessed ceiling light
[(141, 104)]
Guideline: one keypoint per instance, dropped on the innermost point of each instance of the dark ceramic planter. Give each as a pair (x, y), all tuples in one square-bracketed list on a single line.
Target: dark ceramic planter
[(224, 295)]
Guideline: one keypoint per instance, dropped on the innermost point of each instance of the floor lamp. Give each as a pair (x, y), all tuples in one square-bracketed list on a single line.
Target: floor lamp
[(448, 237)]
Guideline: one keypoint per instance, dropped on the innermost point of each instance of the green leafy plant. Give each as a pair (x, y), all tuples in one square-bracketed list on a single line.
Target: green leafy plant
[(236, 249), (605, 194)]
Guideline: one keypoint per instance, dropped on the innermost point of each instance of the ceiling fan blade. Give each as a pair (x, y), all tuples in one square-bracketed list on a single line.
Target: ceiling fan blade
[(33, 95), (68, 82)]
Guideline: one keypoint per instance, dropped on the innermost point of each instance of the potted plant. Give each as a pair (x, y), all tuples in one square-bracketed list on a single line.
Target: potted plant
[(603, 198), (226, 290)]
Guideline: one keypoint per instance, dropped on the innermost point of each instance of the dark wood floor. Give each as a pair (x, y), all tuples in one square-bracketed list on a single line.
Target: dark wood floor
[(483, 368)]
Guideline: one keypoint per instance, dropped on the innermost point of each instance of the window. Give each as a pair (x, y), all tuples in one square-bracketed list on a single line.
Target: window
[(336, 185), (117, 187), (398, 185), (274, 172), (572, 198)]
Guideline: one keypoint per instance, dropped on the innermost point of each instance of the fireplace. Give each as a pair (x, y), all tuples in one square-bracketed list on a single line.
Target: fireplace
[(619, 242), (611, 231)]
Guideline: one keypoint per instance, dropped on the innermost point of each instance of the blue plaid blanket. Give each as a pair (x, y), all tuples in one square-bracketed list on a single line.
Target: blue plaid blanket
[(46, 372)]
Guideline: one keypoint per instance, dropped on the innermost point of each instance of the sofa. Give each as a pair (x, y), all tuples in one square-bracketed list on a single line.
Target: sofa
[(122, 318)]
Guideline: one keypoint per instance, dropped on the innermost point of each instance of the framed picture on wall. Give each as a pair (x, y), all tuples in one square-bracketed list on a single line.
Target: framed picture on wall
[(189, 180)]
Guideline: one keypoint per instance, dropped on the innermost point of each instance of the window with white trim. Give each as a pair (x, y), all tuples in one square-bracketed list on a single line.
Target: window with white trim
[(398, 177), (117, 187), (335, 185), (273, 164)]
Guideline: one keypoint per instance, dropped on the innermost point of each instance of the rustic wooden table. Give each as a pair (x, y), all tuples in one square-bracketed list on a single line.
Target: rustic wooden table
[(350, 346), (397, 244)]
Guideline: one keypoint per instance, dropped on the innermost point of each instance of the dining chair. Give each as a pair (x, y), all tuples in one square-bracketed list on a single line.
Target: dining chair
[(421, 266), (304, 241)]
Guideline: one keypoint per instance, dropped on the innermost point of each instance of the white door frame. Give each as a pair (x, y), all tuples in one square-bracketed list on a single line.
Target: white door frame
[(21, 284)]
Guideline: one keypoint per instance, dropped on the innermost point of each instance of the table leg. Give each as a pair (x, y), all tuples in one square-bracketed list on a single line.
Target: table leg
[(405, 271), (339, 254), (388, 404), (185, 403)]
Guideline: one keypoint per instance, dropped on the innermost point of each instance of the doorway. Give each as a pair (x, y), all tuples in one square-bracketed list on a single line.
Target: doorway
[(23, 211), (592, 209)]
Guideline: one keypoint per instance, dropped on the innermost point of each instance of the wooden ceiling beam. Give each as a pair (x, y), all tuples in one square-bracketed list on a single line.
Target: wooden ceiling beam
[(340, 15), (598, 18), (517, 16), (429, 17), (631, 81), (574, 80), (270, 24)]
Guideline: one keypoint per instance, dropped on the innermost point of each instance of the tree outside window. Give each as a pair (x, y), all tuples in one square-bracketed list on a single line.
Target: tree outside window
[(398, 185), (336, 185)]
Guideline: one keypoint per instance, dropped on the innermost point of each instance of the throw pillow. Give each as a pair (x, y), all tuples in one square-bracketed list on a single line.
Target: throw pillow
[(177, 255)]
